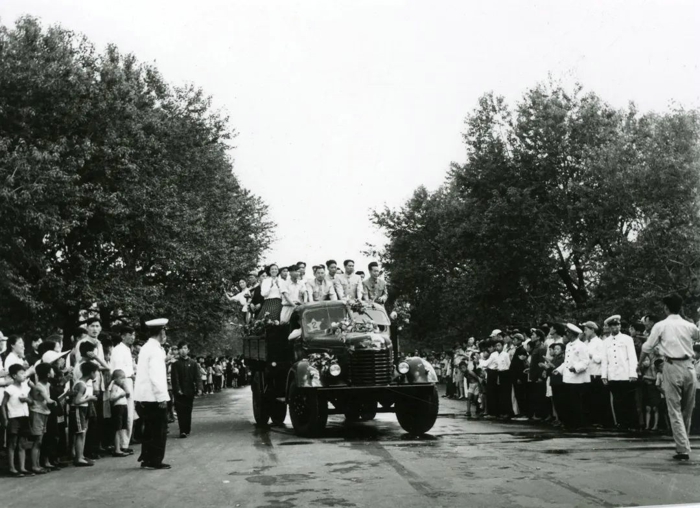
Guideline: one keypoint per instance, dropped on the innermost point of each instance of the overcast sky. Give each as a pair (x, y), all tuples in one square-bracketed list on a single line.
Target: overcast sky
[(346, 106)]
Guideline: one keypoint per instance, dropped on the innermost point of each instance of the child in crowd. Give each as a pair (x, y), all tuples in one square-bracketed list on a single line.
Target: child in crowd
[(695, 421), (663, 410), (473, 386), (39, 412), (651, 396), (15, 415), (80, 411), (118, 395)]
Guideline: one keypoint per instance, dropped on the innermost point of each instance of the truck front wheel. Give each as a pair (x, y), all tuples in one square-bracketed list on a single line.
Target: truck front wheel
[(260, 410), (417, 415), (308, 411)]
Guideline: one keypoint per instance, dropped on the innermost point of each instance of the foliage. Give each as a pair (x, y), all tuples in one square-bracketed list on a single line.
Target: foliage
[(117, 190), (564, 208)]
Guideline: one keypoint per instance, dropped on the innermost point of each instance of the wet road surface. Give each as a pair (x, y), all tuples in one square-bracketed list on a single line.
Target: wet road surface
[(227, 461)]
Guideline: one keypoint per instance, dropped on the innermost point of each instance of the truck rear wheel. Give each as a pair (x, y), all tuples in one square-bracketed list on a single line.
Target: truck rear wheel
[(308, 411), (260, 410), (417, 415), (278, 411)]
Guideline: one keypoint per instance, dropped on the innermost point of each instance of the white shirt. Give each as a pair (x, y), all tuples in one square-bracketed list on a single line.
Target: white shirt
[(351, 284), (674, 337), (241, 298), (151, 375), (619, 358), (268, 288), (15, 408), (595, 352), (295, 291), (116, 391), (337, 285), (578, 357), (503, 361), (12, 359), (491, 362), (121, 359)]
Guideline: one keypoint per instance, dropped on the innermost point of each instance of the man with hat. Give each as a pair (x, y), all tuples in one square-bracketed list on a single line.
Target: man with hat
[(575, 376), (674, 337), (619, 373), (151, 396)]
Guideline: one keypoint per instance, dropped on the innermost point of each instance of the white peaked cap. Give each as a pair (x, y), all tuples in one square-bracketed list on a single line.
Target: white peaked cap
[(157, 323)]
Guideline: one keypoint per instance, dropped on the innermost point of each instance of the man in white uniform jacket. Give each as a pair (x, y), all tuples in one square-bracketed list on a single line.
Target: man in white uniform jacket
[(151, 396), (575, 376)]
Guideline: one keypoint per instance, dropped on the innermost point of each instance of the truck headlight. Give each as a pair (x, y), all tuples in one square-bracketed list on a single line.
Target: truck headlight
[(334, 369), (403, 368)]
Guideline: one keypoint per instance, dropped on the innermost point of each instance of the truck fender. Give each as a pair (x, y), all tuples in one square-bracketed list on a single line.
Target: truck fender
[(419, 371), (300, 373)]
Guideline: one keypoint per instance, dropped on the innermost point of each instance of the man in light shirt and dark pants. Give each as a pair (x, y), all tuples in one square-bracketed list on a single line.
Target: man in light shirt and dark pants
[(151, 396), (674, 338)]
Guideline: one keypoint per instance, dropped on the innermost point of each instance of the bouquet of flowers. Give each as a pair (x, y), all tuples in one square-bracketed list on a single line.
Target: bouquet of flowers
[(259, 326)]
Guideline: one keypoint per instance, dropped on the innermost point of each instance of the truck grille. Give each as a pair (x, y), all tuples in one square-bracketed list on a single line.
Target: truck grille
[(371, 367)]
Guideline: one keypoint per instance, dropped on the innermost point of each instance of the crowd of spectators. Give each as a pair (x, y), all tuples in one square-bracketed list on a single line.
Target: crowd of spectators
[(572, 376), (71, 402)]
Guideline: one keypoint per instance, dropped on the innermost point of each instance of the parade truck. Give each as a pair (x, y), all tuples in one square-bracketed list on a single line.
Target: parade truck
[(336, 358)]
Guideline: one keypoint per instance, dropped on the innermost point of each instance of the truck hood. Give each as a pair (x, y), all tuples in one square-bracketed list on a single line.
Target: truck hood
[(354, 340)]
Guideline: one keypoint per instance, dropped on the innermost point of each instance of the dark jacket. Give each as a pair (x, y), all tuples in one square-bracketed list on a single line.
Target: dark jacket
[(536, 357), (185, 377), (554, 377), (517, 366)]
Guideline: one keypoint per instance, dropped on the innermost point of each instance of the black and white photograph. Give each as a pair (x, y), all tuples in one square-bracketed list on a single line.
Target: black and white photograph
[(349, 254)]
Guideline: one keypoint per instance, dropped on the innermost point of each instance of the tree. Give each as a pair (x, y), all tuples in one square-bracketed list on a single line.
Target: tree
[(564, 208), (117, 188)]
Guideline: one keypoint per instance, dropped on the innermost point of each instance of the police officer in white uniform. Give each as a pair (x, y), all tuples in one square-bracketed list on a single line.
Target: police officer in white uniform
[(674, 337), (151, 396)]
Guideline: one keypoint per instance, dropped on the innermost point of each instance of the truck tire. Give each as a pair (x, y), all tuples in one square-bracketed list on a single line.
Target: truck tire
[(260, 409), (308, 411), (278, 411), (417, 416)]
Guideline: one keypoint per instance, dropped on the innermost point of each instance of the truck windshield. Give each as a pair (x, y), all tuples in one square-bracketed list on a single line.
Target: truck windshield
[(318, 320), (378, 317)]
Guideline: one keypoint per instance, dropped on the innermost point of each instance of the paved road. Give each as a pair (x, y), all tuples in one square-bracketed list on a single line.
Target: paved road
[(227, 461)]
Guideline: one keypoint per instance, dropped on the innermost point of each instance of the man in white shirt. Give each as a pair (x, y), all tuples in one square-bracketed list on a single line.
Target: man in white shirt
[(505, 384), (598, 394), (619, 373), (674, 337), (575, 376), (350, 281), (490, 365), (151, 396), (332, 277), (121, 359), (294, 293)]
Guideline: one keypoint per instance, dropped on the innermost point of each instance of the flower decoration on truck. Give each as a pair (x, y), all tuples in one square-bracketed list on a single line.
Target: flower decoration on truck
[(260, 326)]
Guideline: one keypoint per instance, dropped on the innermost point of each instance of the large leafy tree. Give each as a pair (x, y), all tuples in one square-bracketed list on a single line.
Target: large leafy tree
[(116, 190), (564, 208)]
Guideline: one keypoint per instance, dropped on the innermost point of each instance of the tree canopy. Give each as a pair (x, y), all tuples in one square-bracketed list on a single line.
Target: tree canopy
[(565, 208), (117, 189)]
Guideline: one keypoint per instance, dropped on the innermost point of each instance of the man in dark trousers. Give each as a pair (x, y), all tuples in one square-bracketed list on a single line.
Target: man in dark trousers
[(151, 396), (186, 380)]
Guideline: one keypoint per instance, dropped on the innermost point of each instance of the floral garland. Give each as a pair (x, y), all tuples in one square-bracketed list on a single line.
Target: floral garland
[(260, 326), (321, 361), (358, 306), (348, 325)]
